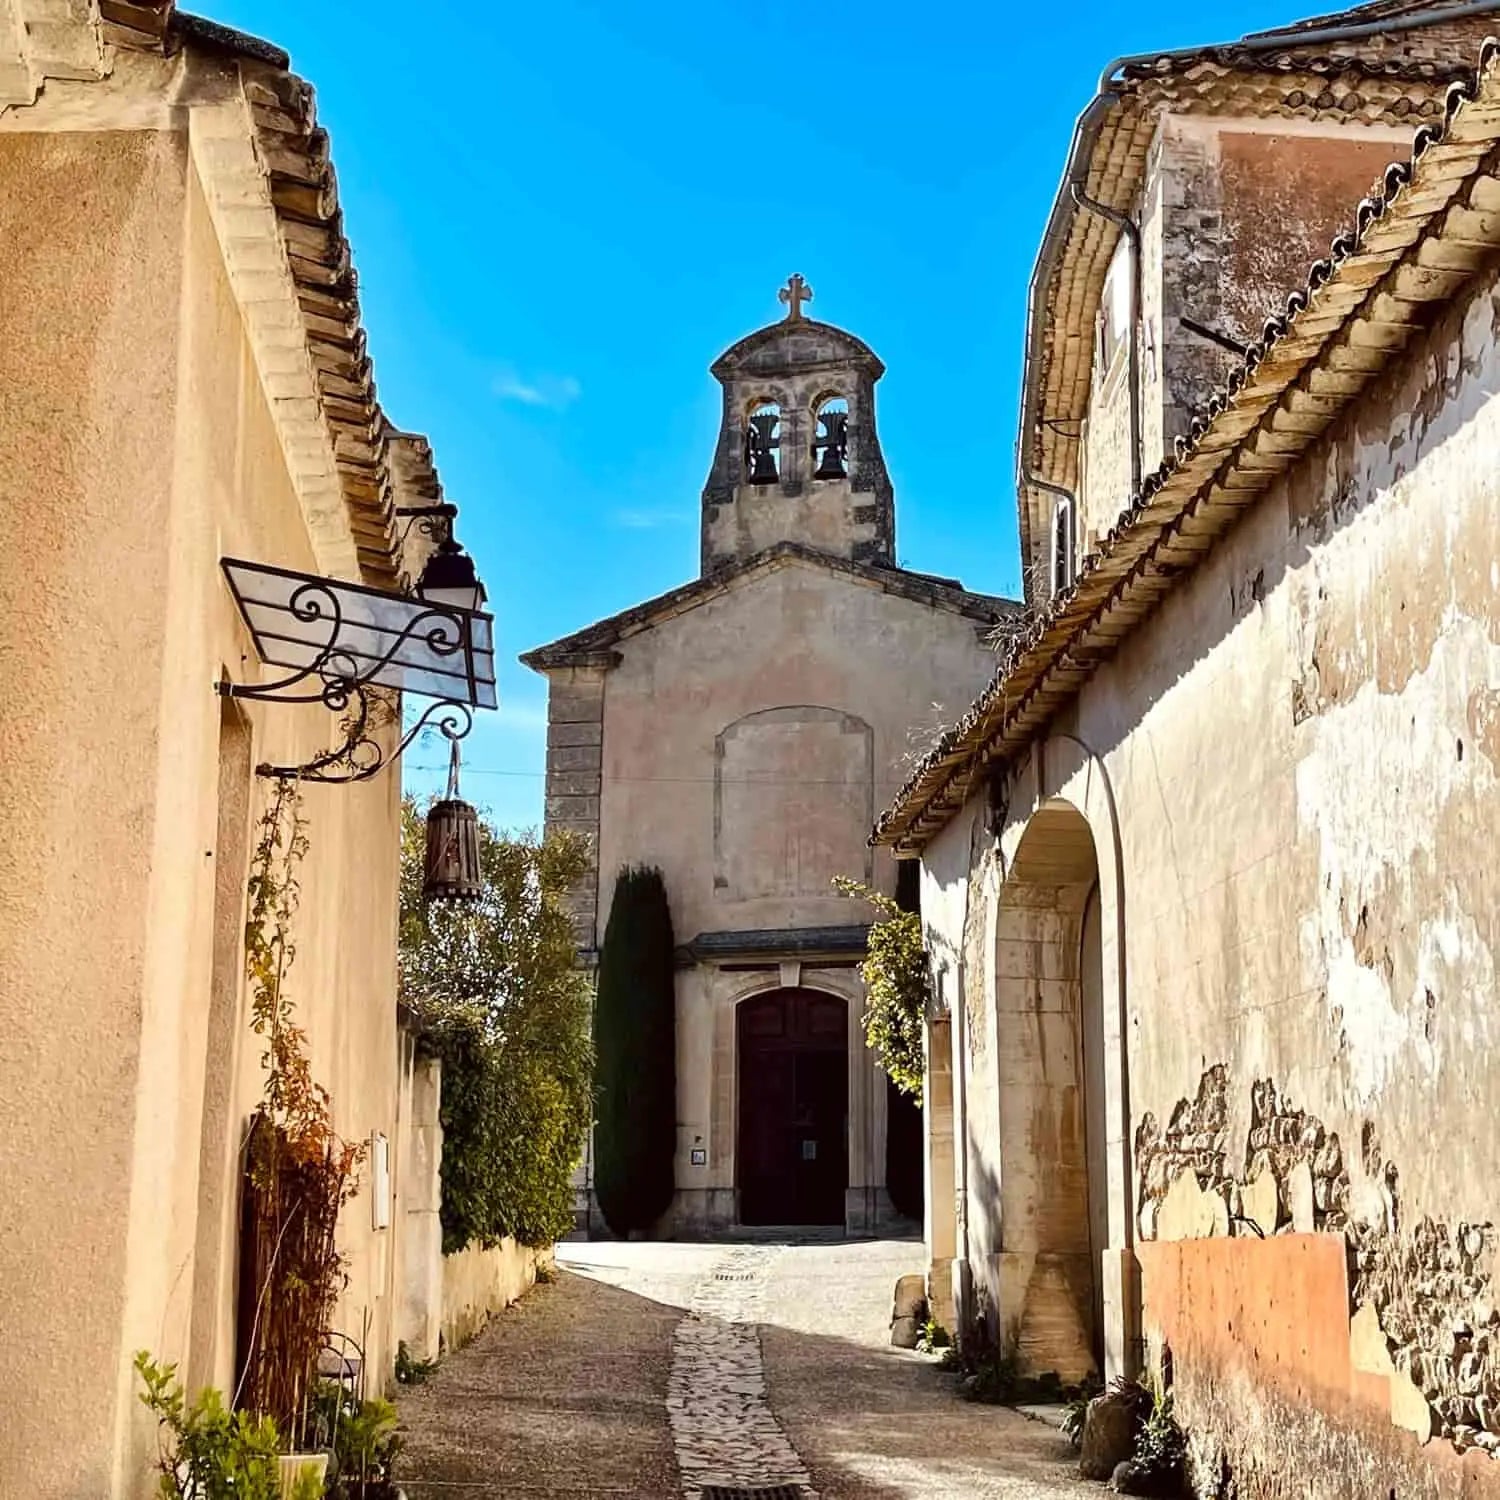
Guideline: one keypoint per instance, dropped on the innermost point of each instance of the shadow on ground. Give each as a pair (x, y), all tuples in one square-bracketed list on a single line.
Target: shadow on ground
[(563, 1395)]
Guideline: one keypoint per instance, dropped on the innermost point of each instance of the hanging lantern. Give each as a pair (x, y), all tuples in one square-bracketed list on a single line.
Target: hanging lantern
[(452, 863)]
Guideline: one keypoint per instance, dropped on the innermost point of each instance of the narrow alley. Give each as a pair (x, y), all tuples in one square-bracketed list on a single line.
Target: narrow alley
[(654, 1370)]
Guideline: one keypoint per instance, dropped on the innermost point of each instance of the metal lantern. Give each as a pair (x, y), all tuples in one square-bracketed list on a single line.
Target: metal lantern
[(450, 579), (451, 868)]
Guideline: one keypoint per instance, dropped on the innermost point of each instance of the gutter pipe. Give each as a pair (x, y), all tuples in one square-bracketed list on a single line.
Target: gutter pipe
[(1086, 132)]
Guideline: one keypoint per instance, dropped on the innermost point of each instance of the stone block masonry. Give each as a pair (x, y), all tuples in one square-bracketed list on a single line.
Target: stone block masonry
[(575, 751)]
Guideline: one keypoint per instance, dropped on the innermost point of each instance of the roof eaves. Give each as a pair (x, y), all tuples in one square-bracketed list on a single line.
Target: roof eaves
[(1358, 306), (581, 647)]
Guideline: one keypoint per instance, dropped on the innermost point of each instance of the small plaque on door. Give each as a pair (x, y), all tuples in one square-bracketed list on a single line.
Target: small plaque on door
[(809, 1151)]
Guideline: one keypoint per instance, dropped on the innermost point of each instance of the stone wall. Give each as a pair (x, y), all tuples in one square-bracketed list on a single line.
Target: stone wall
[(575, 738), (479, 1282)]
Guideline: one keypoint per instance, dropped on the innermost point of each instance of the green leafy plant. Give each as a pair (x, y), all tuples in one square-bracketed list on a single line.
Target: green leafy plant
[(896, 983), (409, 1370), (363, 1438), (933, 1337), (1160, 1445), (502, 1002), (1075, 1414), (635, 1022), (300, 1172), (206, 1451)]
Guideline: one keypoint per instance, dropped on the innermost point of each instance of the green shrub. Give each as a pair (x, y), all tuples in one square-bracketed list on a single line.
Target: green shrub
[(363, 1439), (502, 1002), (207, 1451), (896, 987), (635, 1038), (933, 1337)]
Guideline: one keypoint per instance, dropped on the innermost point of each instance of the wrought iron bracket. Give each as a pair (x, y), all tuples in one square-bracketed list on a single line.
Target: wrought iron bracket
[(355, 651), (360, 756)]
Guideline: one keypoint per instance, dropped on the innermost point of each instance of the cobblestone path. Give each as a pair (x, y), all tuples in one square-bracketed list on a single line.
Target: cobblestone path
[(658, 1372), (722, 1426)]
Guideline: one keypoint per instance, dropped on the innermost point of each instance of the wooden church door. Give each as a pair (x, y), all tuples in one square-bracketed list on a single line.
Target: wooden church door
[(793, 1157)]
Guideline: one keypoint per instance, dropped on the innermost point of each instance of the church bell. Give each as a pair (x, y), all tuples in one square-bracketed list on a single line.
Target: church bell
[(834, 445), (451, 868)]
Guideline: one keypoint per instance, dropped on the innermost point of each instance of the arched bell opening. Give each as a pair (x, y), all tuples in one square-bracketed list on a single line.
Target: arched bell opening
[(830, 445), (1049, 1034), (763, 443)]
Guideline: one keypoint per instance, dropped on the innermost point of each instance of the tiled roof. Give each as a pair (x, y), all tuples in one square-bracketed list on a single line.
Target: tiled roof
[(1359, 81), (375, 463), (594, 643), (1416, 243)]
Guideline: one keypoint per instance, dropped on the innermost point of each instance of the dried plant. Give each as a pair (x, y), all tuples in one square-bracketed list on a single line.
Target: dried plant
[(299, 1171)]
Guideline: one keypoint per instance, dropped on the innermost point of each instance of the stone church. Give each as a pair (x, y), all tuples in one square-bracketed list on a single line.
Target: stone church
[(740, 732)]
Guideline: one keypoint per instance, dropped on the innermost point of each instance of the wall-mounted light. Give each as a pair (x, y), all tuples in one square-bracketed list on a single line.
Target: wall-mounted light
[(449, 578)]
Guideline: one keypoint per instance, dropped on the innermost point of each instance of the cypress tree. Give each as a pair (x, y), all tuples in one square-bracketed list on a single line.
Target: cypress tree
[(635, 1040)]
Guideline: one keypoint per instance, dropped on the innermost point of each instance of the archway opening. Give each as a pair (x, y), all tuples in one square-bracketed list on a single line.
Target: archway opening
[(1049, 1041), (792, 1162)]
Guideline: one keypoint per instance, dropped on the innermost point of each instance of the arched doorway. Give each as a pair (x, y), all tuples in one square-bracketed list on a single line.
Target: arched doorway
[(793, 1151), (1049, 1034)]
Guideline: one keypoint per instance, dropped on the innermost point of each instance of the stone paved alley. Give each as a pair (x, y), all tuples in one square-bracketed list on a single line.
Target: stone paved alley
[(654, 1370)]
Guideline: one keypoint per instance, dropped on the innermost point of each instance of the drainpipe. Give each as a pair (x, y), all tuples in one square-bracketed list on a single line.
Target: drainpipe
[(1086, 132), (1132, 232)]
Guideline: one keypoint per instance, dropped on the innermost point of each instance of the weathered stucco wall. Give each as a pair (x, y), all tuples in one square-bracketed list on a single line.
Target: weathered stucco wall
[(1232, 213), (1293, 767), (137, 449)]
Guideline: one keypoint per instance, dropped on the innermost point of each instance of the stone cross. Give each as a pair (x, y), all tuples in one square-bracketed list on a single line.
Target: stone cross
[(794, 294)]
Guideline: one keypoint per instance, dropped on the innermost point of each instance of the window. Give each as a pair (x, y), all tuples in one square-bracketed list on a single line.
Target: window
[(763, 443), (830, 445), (1062, 545), (1112, 324)]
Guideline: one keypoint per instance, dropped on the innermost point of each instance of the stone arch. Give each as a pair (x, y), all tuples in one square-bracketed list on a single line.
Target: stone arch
[(1051, 1200), (829, 448)]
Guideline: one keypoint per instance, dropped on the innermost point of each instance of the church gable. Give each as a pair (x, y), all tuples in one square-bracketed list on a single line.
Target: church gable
[(596, 643)]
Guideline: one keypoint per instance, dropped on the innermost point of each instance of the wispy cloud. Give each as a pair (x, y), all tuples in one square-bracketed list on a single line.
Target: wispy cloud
[(649, 520), (551, 391)]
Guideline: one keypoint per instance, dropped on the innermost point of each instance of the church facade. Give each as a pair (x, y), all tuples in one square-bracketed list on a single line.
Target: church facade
[(739, 733)]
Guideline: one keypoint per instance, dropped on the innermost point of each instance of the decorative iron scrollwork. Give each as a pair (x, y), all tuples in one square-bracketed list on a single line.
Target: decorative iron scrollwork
[(358, 685)]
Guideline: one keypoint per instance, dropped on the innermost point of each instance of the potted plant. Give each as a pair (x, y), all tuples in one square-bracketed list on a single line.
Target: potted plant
[(208, 1452), (363, 1439)]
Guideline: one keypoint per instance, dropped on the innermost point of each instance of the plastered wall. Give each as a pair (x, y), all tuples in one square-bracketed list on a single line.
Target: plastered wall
[(1290, 774), (1231, 215), (136, 450)]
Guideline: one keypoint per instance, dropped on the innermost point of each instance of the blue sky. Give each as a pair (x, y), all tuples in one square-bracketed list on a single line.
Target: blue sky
[(562, 212)]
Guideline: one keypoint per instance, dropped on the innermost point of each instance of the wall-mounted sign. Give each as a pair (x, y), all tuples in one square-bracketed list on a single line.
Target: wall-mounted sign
[(700, 1156)]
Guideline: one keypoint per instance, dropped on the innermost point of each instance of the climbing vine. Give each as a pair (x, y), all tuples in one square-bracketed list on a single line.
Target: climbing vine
[(299, 1171), (896, 987)]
